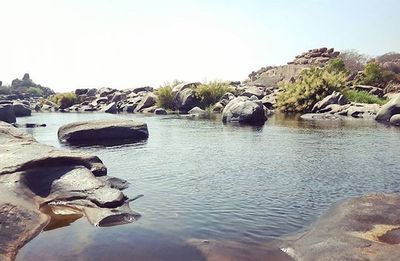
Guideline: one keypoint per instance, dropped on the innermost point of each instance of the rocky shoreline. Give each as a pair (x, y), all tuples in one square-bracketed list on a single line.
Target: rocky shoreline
[(34, 175)]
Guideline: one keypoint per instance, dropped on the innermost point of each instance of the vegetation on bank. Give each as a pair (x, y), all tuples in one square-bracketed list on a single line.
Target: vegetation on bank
[(373, 74), (311, 86), (211, 92), (362, 97), (64, 100)]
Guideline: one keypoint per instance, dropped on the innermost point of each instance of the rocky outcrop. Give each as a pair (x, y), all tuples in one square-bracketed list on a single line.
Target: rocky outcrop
[(389, 109), (363, 228), (7, 113), (244, 110), (103, 132), (147, 101), (34, 176), (317, 56)]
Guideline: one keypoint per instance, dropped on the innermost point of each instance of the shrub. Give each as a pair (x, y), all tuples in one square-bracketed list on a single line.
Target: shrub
[(353, 60), (34, 91), (5, 90), (336, 66), (165, 99), (64, 100), (311, 86), (375, 75), (210, 93), (362, 97)]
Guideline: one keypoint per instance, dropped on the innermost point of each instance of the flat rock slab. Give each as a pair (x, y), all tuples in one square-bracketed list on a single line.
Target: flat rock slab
[(103, 132), (362, 228)]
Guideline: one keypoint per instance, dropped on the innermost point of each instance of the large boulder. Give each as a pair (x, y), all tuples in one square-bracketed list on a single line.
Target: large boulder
[(334, 98), (107, 132), (21, 110), (389, 109), (149, 100), (7, 113), (254, 90), (395, 120), (244, 110), (184, 96), (110, 108)]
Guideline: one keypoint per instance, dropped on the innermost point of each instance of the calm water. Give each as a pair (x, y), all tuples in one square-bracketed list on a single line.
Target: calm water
[(206, 180)]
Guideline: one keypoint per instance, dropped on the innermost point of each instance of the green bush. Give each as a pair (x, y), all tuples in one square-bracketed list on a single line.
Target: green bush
[(5, 90), (64, 100), (34, 91), (210, 93), (165, 99), (375, 75), (362, 97), (336, 66), (311, 86)]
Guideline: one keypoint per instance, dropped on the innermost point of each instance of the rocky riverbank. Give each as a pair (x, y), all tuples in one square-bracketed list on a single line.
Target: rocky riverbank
[(35, 176)]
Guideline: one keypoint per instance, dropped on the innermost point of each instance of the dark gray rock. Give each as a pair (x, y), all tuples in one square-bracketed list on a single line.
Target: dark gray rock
[(7, 113), (147, 101), (110, 108), (79, 92), (389, 109), (244, 110), (103, 132), (160, 111), (21, 110), (334, 98), (143, 89)]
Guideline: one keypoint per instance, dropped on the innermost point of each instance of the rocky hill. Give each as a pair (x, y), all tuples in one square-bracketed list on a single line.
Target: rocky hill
[(25, 88)]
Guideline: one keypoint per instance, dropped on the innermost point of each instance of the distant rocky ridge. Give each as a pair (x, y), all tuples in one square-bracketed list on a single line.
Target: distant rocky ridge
[(25, 88)]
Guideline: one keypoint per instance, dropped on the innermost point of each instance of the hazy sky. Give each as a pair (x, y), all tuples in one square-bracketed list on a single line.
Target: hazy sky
[(68, 44)]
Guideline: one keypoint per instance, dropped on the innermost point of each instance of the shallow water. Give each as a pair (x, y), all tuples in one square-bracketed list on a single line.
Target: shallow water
[(202, 179)]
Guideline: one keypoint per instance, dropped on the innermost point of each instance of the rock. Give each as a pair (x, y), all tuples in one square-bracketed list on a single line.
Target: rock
[(253, 90), (21, 110), (244, 110), (103, 132), (319, 116), (110, 108), (7, 113), (160, 111), (395, 120), (34, 174), (148, 100), (219, 107), (81, 91), (196, 111), (143, 89), (360, 228), (114, 182), (149, 109), (334, 98), (91, 92), (184, 96), (104, 92), (370, 89), (118, 96), (389, 109), (228, 96)]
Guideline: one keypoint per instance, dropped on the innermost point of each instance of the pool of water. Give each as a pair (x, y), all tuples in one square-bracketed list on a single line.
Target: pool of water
[(205, 180)]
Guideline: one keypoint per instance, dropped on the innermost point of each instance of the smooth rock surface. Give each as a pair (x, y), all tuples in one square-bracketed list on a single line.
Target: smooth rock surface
[(7, 113), (395, 120), (389, 109), (103, 132), (244, 110)]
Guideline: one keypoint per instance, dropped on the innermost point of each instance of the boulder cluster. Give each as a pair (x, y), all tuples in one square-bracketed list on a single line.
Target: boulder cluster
[(317, 56), (9, 110)]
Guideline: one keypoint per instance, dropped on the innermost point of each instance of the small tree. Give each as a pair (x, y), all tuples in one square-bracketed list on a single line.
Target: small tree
[(375, 75), (354, 60)]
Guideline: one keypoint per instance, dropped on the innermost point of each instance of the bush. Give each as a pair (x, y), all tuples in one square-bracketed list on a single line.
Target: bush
[(336, 66), (311, 86), (34, 91), (362, 97), (165, 99), (375, 75), (5, 90), (64, 100), (210, 93), (353, 60)]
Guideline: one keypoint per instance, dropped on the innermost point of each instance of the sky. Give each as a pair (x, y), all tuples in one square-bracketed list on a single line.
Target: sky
[(69, 44)]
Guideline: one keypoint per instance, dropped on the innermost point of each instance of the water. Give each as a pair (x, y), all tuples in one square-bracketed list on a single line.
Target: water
[(206, 180)]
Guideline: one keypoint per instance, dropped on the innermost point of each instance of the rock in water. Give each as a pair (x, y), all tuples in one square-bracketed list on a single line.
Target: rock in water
[(107, 132), (389, 109), (334, 98), (395, 120), (184, 96), (21, 110), (7, 113), (244, 110)]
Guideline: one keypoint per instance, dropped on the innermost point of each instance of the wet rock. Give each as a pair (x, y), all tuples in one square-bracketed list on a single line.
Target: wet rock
[(244, 110), (7, 113), (395, 120), (389, 109), (103, 132)]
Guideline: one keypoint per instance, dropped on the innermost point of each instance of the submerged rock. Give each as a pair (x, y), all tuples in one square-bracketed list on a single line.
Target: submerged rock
[(103, 132), (244, 110)]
